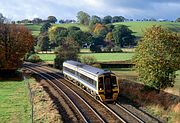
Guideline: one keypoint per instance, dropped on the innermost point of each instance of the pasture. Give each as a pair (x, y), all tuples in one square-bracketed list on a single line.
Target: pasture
[(14, 102), (139, 27), (35, 28), (100, 57)]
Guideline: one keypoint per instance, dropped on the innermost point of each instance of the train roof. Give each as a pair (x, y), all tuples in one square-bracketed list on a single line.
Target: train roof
[(92, 70)]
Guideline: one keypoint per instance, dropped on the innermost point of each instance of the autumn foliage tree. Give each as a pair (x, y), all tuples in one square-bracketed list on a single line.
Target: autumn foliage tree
[(157, 57), (15, 42)]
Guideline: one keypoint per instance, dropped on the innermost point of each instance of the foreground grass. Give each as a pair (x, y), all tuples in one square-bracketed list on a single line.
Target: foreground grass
[(14, 102)]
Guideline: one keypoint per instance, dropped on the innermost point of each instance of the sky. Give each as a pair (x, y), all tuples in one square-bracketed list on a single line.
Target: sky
[(68, 9)]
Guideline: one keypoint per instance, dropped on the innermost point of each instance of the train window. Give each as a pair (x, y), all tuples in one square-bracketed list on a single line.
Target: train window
[(101, 83), (113, 80)]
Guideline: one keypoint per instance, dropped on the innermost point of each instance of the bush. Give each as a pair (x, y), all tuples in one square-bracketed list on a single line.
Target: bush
[(34, 58), (106, 49), (117, 49), (88, 60)]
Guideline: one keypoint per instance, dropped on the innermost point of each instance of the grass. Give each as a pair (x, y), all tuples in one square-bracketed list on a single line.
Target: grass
[(47, 57), (139, 27), (14, 102), (105, 57), (101, 57), (35, 28)]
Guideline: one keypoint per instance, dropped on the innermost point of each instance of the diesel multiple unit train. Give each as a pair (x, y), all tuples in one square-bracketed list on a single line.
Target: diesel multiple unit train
[(100, 83)]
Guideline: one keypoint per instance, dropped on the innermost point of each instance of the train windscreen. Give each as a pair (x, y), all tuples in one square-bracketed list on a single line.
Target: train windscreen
[(113, 80)]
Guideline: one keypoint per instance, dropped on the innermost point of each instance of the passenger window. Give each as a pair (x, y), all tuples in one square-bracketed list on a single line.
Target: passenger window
[(101, 83)]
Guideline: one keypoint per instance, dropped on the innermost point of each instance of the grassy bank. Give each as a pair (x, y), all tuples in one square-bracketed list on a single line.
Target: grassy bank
[(15, 106)]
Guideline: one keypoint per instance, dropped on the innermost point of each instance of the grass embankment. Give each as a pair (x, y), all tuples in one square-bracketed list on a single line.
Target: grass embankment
[(139, 27), (15, 104)]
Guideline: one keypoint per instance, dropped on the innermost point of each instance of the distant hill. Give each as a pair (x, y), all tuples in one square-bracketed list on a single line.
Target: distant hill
[(136, 27), (139, 27)]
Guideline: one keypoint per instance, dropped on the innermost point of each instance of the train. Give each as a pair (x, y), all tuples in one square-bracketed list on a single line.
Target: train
[(101, 84)]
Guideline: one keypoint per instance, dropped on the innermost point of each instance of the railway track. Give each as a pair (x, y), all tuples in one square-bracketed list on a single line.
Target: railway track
[(107, 112), (86, 113)]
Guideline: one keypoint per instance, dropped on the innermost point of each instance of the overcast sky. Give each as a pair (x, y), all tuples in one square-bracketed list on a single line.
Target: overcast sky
[(67, 9)]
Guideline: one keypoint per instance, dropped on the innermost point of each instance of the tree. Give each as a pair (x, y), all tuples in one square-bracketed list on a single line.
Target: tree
[(94, 19), (15, 41), (67, 51), (52, 19), (118, 19), (83, 18), (157, 57), (100, 30), (107, 19), (2, 18), (57, 35), (45, 27), (43, 42), (37, 21), (109, 37), (123, 36), (178, 20)]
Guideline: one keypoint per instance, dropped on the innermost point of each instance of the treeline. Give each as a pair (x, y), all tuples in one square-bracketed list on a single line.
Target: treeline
[(102, 36)]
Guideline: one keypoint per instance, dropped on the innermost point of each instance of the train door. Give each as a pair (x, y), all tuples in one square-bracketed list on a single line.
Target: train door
[(108, 87)]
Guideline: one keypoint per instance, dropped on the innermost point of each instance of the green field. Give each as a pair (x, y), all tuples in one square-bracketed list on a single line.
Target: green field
[(100, 57), (105, 57), (139, 27), (35, 28), (47, 57), (14, 102)]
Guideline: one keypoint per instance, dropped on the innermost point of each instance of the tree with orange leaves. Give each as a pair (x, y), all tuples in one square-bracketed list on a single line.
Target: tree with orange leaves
[(15, 42)]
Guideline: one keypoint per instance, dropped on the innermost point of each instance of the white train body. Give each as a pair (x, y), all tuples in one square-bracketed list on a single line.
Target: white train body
[(100, 83)]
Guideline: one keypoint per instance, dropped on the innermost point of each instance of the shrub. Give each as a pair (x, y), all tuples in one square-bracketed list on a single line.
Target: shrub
[(117, 49), (34, 58), (88, 59)]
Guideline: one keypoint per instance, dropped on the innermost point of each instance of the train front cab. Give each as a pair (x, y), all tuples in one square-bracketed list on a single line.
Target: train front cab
[(108, 87)]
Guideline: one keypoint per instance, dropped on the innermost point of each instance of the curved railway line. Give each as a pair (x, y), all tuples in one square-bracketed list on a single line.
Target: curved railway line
[(88, 108)]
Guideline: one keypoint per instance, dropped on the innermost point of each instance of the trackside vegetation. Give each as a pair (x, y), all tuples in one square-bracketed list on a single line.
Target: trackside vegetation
[(157, 57)]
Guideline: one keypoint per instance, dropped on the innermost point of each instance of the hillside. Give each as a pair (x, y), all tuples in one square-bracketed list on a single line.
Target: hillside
[(139, 27), (136, 27)]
